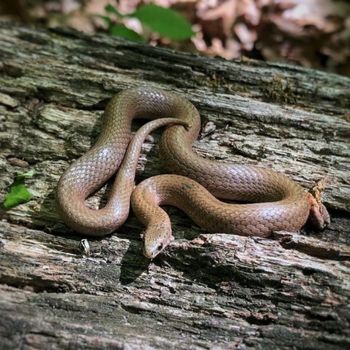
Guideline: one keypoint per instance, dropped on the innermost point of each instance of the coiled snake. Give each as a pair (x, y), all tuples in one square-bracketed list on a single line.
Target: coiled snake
[(275, 202)]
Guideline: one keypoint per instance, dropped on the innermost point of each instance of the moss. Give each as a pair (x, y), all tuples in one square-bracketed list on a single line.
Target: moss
[(217, 82), (280, 90)]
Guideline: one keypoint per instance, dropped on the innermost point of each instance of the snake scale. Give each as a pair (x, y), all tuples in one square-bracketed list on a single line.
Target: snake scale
[(272, 201)]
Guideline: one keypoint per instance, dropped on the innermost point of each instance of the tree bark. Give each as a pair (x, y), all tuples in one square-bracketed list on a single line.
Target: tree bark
[(206, 290)]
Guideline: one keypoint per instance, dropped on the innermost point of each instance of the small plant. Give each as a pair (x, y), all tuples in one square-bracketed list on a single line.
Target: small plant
[(167, 23), (18, 192)]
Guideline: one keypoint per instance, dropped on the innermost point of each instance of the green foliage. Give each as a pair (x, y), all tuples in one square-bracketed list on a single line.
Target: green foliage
[(166, 22), (112, 10), (18, 192), (124, 32)]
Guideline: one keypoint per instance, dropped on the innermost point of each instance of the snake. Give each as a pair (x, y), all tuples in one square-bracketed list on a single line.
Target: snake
[(264, 201)]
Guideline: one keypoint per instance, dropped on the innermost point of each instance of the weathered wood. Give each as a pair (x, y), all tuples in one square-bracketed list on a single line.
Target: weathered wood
[(205, 291)]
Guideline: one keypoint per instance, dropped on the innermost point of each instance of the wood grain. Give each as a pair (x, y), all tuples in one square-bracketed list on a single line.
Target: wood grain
[(206, 291)]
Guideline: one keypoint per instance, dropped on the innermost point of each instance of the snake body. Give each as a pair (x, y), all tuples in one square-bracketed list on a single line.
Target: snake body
[(92, 170), (283, 204)]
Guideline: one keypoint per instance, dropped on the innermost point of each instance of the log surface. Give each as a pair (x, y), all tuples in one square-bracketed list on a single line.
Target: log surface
[(207, 291)]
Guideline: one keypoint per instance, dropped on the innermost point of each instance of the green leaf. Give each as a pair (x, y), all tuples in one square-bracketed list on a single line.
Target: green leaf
[(124, 32), (18, 192), (111, 9), (168, 23)]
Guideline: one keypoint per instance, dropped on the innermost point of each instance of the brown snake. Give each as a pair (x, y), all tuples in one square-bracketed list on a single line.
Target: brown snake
[(283, 204)]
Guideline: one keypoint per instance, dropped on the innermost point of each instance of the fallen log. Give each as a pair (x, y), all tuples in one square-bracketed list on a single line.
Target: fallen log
[(206, 290)]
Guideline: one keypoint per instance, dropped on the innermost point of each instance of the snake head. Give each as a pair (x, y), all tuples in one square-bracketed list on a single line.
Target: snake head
[(155, 238)]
